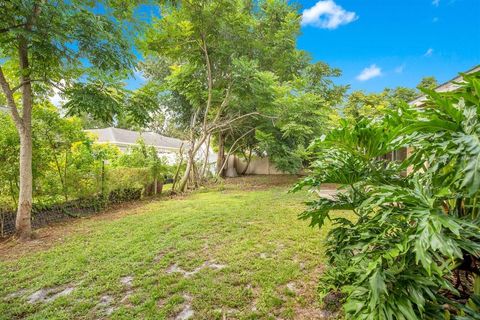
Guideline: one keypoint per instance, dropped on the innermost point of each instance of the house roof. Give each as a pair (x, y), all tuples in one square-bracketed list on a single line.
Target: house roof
[(448, 86), (129, 137)]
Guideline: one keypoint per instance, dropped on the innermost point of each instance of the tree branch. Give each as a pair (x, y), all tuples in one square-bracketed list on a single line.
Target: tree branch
[(14, 89), (3, 30), (233, 150), (229, 122), (209, 81), (10, 100)]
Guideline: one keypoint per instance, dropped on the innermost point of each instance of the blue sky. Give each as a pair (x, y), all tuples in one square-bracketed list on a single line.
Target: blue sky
[(397, 41), (389, 43)]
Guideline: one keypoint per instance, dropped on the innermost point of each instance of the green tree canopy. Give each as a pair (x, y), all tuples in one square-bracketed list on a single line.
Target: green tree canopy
[(78, 47), (429, 83)]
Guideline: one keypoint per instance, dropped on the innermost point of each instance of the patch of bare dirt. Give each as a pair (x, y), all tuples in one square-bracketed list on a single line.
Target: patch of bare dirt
[(174, 268), (187, 311), (309, 308), (49, 294)]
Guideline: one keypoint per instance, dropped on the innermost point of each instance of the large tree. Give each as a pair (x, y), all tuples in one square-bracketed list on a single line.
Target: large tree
[(76, 46), (214, 73), (230, 68), (302, 109)]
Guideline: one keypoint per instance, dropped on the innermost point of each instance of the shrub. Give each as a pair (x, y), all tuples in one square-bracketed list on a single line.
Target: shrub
[(413, 250), (128, 178)]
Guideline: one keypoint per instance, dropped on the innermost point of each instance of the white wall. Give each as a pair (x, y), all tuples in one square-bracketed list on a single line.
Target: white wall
[(257, 165), (212, 157)]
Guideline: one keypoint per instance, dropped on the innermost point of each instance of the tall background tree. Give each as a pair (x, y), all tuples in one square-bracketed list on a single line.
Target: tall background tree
[(360, 104), (78, 47), (429, 83), (230, 73), (210, 76)]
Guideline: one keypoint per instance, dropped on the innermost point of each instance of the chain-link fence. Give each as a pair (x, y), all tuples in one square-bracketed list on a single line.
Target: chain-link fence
[(118, 186)]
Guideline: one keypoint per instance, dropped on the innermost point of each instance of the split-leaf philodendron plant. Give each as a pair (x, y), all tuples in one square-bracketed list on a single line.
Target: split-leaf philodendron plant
[(413, 250)]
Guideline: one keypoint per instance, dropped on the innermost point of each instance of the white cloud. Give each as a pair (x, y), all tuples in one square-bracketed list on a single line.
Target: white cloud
[(57, 100), (436, 3), (400, 68), (327, 14), (428, 53), (369, 73)]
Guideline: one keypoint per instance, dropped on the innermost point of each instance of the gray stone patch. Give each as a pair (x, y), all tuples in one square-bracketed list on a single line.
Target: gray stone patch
[(174, 268), (230, 311), (106, 304), (105, 300), (16, 294), (127, 281), (49, 295), (187, 311), (216, 266), (291, 287), (109, 310)]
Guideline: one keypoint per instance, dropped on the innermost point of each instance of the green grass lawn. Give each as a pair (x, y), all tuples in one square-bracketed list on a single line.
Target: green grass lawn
[(231, 252)]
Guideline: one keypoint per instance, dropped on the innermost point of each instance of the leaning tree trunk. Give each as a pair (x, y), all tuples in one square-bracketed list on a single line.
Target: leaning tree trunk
[(183, 182), (221, 154), (205, 163)]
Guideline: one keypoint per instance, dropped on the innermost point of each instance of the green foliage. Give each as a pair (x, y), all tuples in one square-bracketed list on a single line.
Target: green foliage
[(143, 156), (68, 164), (9, 144), (428, 83), (122, 179), (301, 109), (73, 45), (360, 104), (413, 250), (266, 96)]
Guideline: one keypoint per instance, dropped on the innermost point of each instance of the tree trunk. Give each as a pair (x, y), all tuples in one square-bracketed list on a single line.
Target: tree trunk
[(221, 154), (23, 222), (180, 153), (65, 185), (155, 181), (24, 126), (186, 175), (205, 163)]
